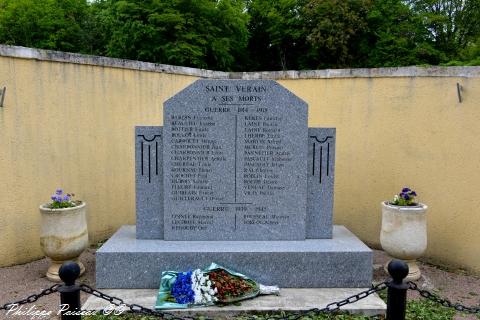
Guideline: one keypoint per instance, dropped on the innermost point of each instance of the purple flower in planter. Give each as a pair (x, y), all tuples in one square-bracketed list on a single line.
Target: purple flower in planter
[(62, 200), (405, 198)]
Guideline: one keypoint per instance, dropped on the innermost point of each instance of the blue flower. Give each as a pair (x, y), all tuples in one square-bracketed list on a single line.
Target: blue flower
[(406, 189), (66, 198), (59, 191), (182, 288), (405, 196), (413, 193)]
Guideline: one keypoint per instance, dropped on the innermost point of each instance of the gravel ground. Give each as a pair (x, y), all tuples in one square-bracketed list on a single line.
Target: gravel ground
[(454, 285), (20, 281)]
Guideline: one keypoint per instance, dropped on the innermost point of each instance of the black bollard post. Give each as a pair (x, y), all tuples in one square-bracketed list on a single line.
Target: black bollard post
[(397, 290), (69, 292)]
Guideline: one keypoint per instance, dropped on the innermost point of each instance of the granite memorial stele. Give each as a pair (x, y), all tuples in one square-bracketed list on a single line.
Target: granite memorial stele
[(236, 177)]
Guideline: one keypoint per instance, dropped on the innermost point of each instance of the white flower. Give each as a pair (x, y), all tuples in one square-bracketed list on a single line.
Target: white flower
[(202, 288)]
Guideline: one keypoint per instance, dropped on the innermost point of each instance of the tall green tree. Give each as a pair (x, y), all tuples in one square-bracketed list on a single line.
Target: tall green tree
[(471, 54), (49, 24), (453, 25), (277, 34), (334, 32), (397, 37), (197, 33)]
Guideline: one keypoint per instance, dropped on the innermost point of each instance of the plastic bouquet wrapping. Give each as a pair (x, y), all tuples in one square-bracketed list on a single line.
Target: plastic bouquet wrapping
[(214, 285)]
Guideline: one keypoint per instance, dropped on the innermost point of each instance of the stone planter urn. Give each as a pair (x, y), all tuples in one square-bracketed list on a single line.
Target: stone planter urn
[(63, 236), (404, 234)]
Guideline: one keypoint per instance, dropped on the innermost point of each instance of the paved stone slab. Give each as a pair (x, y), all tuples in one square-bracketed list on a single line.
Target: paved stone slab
[(149, 182), (288, 300), (343, 261), (321, 173), (235, 159)]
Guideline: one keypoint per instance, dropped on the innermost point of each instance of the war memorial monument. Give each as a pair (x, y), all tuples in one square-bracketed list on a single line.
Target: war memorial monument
[(235, 176)]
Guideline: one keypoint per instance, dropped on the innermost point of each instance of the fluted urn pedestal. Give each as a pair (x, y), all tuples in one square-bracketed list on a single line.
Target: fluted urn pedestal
[(404, 234), (63, 236)]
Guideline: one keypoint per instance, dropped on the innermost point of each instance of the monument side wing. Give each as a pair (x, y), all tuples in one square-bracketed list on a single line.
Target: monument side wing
[(149, 181), (321, 174)]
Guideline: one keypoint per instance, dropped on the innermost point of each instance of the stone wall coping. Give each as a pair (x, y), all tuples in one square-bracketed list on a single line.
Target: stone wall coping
[(76, 58)]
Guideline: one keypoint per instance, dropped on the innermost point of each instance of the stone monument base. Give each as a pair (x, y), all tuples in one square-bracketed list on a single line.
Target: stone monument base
[(341, 262)]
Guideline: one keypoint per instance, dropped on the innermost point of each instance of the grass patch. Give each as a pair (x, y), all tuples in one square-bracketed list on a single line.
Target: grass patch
[(416, 310), (273, 316), (427, 310), (97, 245)]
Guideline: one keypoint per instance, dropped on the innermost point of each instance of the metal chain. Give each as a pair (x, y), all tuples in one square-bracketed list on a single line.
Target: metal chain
[(135, 308), (31, 298), (335, 306), (331, 307), (444, 302)]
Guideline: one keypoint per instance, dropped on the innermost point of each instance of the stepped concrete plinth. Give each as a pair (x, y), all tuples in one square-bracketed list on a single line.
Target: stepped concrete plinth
[(341, 262)]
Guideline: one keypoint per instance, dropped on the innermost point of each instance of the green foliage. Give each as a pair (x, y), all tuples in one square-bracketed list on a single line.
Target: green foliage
[(63, 204), (244, 35), (427, 310), (397, 37), (61, 200), (125, 316), (470, 56), (334, 31), (277, 38), (48, 24), (416, 310), (199, 33), (279, 315), (452, 24)]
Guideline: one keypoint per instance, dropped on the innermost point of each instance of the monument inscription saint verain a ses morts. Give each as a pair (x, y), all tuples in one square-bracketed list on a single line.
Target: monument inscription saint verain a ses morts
[(235, 158)]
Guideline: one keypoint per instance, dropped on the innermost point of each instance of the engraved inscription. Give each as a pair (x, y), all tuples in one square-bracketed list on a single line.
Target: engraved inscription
[(233, 164), (321, 145), (149, 157)]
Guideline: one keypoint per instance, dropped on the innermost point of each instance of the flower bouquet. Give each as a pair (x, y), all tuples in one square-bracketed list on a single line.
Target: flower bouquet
[(214, 285)]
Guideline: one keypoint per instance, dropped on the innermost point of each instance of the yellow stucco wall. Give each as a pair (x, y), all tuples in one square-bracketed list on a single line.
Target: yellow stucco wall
[(71, 125), (395, 132)]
